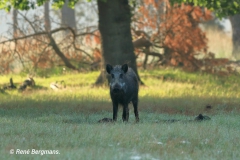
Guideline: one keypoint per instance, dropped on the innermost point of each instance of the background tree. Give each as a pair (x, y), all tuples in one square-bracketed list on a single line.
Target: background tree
[(47, 21), (235, 22), (223, 8), (68, 16), (120, 37), (177, 32), (15, 23), (114, 26)]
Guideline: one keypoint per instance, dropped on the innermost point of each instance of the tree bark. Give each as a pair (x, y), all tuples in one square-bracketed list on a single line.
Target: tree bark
[(235, 22), (47, 17), (15, 23), (114, 26), (68, 16)]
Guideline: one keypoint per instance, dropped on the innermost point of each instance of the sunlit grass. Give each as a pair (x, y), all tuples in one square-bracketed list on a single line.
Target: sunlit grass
[(66, 120), (219, 43)]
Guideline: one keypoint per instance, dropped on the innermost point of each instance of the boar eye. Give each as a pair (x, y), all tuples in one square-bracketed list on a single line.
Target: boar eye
[(121, 75), (112, 75)]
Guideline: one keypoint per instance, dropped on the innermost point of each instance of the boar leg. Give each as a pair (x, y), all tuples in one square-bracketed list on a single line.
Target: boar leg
[(115, 111), (125, 114), (135, 105)]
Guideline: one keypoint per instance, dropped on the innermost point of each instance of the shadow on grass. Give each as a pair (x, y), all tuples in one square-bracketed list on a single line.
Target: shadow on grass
[(66, 111), (77, 111)]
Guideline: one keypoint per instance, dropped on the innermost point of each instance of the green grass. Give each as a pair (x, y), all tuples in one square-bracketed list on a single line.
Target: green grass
[(66, 120)]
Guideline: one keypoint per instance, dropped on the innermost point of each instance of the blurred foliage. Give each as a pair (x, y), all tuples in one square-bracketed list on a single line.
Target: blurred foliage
[(174, 29), (172, 41), (26, 4), (221, 8)]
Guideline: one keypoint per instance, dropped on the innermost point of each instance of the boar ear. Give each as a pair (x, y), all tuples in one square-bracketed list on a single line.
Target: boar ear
[(108, 68), (125, 68)]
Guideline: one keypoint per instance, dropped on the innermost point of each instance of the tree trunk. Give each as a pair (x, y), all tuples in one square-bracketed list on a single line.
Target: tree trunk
[(68, 16), (114, 26), (46, 16), (15, 23), (235, 22)]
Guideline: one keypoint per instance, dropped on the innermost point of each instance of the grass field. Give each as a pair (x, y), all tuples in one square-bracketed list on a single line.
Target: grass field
[(66, 120)]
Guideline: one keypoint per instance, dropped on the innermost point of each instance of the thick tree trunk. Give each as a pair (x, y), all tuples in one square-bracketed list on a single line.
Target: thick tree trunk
[(235, 22), (114, 26), (46, 16)]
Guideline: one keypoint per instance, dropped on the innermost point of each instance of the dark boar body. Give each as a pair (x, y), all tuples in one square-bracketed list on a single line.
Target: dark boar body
[(123, 89)]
